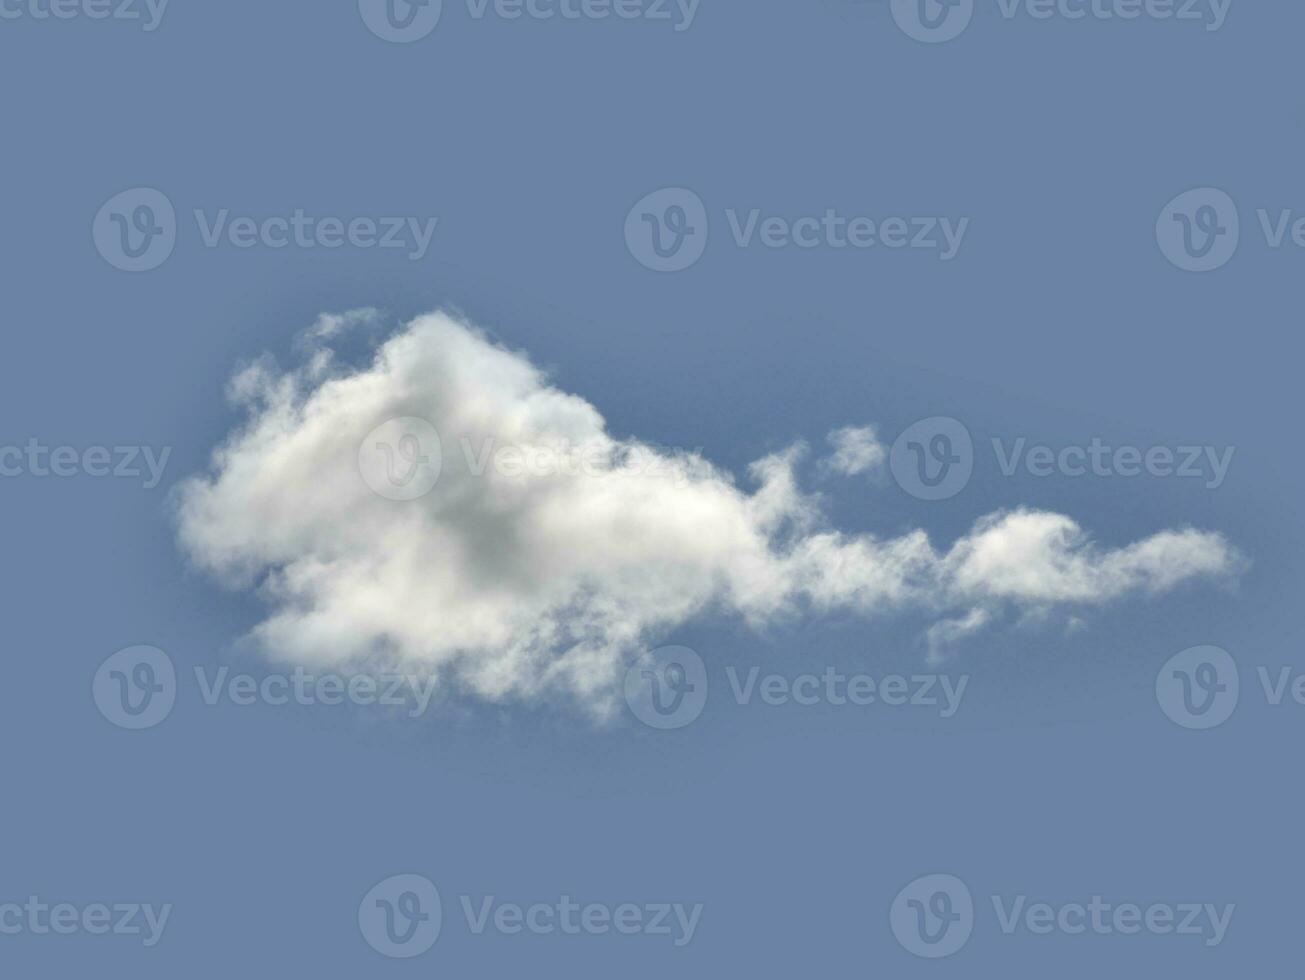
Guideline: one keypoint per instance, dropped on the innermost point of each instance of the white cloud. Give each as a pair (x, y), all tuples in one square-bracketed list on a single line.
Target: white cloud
[(330, 325), (517, 581), (946, 633), (857, 449)]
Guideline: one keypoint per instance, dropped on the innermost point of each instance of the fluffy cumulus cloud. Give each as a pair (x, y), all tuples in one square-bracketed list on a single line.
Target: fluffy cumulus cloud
[(548, 553), (857, 449)]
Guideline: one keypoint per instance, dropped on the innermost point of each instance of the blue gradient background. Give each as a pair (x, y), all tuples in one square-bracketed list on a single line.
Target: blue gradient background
[(1059, 321)]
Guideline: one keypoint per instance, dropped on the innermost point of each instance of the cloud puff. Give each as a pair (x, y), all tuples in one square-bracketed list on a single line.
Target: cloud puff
[(548, 552), (857, 449)]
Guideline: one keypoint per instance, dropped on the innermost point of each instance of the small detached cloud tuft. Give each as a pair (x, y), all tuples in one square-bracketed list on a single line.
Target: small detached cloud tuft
[(542, 553), (857, 449)]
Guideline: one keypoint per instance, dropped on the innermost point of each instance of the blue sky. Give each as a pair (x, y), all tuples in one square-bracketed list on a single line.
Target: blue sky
[(511, 161)]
